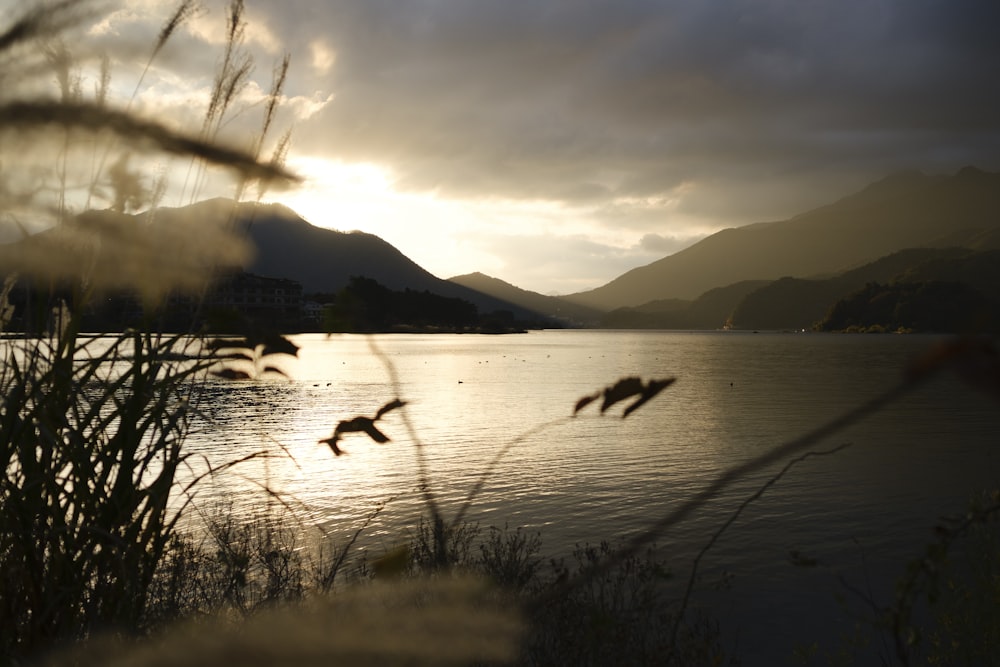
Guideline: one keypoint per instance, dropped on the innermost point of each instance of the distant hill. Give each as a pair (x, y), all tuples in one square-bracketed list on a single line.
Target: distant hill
[(936, 306), (905, 210), (909, 279), (549, 306), (798, 303), (711, 310), (789, 304), (285, 246), (979, 270), (324, 260)]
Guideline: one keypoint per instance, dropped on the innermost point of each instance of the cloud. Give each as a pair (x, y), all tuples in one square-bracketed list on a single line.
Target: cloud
[(211, 27), (486, 98), (660, 245), (557, 264), (666, 119), (494, 99), (322, 56)]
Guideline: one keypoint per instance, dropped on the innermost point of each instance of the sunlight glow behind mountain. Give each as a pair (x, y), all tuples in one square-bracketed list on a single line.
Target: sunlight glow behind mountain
[(457, 236)]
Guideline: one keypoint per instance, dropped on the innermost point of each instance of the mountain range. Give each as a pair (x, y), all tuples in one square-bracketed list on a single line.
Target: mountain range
[(908, 226), (904, 210), (774, 275), (324, 260)]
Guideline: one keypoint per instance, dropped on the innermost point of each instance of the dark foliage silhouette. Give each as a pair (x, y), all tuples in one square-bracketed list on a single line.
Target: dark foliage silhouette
[(625, 389), (364, 425)]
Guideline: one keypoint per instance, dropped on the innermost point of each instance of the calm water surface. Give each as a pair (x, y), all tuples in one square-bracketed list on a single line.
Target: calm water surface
[(863, 512)]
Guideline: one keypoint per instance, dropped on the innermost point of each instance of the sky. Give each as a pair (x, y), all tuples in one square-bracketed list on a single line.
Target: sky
[(556, 145)]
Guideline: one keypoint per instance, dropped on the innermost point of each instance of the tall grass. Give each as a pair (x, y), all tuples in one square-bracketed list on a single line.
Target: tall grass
[(92, 430), (91, 448)]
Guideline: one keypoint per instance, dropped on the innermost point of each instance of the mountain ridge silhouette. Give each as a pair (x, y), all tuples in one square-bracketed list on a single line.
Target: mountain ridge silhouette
[(903, 210)]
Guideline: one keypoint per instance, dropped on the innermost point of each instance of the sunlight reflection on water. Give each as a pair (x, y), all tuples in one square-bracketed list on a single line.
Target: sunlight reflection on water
[(593, 477)]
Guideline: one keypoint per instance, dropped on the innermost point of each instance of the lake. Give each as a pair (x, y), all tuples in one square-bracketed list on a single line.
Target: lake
[(862, 512)]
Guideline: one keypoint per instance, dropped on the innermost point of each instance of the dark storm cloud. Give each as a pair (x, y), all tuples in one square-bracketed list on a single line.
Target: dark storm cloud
[(761, 106), (660, 120), (583, 102)]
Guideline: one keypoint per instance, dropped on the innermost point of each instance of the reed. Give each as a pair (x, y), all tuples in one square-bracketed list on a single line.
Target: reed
[(92, 430), (91, 442)]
